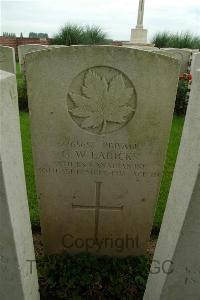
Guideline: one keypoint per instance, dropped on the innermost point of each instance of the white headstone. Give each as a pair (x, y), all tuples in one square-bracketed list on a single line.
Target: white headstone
[(7, 59), (178, 246), (24, 49), (100, 119), (18, 281), (182, 55), (195, 62)]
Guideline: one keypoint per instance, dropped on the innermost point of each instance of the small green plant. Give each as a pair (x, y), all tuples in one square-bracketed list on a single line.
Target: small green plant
[(176, 40), (85, 276)]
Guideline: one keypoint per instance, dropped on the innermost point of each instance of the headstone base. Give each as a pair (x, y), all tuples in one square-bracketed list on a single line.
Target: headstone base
[(139, 36)]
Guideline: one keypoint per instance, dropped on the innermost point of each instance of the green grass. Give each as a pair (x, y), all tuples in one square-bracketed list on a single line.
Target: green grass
[(176, 40), (172, 152), (166, 180), (29, 171)]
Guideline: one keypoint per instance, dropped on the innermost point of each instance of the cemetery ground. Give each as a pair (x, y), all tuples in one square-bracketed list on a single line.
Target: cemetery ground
[(84, 276)]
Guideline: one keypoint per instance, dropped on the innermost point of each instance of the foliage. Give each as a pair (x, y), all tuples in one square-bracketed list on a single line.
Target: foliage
[(9, 34), (39, 35), (176, 40), (85, 276), (71, 34), (94, 35), (22, 90), (29, 172), (172, 152), (181, 97)]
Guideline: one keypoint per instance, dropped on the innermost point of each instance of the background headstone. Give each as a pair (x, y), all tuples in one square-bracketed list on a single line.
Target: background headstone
[(178, 247), (7, 59), (17, 281), (56, 46), (100, 122), (182, 55), (24, 49), (195, 62)]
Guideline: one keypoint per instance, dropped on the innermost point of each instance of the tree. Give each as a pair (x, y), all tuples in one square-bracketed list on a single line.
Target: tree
[(32, 35), (9, 34), (42, 35), (39, 35)]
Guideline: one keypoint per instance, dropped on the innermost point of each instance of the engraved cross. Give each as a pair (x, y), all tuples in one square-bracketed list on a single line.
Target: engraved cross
[(97, 207)]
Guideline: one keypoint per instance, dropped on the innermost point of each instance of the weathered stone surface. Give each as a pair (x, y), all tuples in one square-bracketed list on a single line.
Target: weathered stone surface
[(139, 36), (178, 245), (148, 47), (182, 55), (16, 245), (24, 49), (100, 126), (7, 59), (56, 46)]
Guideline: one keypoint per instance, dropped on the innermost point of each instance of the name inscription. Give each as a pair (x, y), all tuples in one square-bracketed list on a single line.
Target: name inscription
[(75, 157)]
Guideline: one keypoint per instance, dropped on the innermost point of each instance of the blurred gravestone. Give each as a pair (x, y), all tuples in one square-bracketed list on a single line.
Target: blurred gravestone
[(178, 246), (24, 49), (7, 59), (195, 62), (18, 280), (182, 55)]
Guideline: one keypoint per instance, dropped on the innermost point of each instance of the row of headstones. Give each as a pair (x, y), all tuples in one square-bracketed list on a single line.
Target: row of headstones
[(184, 56), (7, 56), (98, 170)]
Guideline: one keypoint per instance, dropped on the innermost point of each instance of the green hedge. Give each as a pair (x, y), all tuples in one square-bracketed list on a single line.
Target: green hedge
[(71, 34), (176, 40)]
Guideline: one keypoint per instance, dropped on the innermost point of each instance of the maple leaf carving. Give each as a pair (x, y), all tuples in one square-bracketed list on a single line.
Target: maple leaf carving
[(101, 101)]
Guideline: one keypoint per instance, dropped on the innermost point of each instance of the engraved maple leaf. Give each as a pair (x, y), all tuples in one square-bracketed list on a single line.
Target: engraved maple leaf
[(102, 101)]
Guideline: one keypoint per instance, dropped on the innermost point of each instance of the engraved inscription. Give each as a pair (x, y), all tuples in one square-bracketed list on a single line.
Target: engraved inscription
[(81, 158), (97, 207), (101, 100)]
